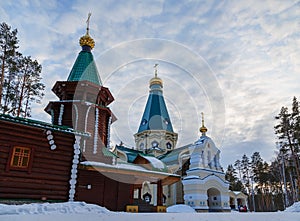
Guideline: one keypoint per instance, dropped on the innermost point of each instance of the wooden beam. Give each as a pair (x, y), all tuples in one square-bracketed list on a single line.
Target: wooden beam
[(159, 193)]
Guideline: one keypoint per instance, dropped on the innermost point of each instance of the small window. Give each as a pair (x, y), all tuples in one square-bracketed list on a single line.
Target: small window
[(169, 145), (20, 157), (154, 144)]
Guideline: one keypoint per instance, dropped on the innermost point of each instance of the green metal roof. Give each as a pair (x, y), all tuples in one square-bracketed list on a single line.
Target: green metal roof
[(108, 153), (85, 69), (156, 164), (131, 154), (156, 116), (172, 157), (40, 124)]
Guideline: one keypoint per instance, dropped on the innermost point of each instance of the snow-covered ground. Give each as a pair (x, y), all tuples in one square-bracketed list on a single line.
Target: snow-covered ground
[(79, 211)]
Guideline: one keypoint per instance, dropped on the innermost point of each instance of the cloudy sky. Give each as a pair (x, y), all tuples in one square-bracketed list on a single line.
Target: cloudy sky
[(236, 61)]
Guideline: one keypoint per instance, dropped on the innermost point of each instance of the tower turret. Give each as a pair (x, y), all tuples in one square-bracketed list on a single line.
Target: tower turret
[(155, 133), (83, 102)]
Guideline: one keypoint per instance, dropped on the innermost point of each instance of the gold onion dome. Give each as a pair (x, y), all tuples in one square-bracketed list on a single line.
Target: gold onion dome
[(87, 40), (156, 80), (203, 129)]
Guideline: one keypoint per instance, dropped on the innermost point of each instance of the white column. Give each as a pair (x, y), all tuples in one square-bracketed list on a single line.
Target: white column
[(61, 112), (73, 179), (96, 131)]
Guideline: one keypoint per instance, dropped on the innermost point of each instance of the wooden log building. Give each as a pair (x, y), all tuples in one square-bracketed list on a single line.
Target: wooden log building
[(69, 159)]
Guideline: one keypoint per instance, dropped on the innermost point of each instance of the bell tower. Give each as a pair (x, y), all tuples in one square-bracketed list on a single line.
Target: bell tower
[(83, 103), (155, 134)]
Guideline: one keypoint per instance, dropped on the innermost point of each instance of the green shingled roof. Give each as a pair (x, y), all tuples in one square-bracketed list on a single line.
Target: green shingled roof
[(41, 124), (85, 69)]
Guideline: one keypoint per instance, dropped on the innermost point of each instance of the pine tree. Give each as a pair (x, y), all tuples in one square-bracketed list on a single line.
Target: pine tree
[(245, 164), (9, 86), (238, 165), (287, 135), (30, 88), (234, 183), (8, 46), (20, 80), (257, 167)]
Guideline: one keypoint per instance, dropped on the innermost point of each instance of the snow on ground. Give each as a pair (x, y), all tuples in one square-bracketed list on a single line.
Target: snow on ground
[(51, 208), (180, 208), (79, 211), (294, 208)]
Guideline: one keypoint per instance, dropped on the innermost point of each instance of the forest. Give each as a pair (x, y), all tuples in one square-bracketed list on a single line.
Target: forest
[(272, 186), (20, 76)]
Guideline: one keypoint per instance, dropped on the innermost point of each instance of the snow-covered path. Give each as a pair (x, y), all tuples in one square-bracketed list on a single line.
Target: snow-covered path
[(80, 211), (279, 216)]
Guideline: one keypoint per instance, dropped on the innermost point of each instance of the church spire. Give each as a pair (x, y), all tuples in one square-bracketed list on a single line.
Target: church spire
[(155, 133), (156, 115), (203, 129), (84, 68)]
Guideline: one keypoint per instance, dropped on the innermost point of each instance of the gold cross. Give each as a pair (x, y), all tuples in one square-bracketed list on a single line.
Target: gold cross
[(202, 114), (88, 23), (155, 68)]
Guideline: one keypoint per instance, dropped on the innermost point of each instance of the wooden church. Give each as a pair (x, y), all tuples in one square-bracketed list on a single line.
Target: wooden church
[(68, 159)]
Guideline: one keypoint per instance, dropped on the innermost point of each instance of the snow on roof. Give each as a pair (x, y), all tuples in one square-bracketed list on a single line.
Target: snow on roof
[(125, 166), (156, 163), (52, 208), (191, 177), (117, 166)]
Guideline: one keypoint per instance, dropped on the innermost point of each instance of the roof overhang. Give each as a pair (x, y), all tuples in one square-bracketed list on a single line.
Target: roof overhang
[(133, 176)]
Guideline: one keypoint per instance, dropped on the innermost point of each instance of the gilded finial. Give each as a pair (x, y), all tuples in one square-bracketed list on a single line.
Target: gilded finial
[(156, 80), (87, 40), (203, 129)]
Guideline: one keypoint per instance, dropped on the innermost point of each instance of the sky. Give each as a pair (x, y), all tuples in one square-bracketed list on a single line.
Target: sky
[(236, 61)]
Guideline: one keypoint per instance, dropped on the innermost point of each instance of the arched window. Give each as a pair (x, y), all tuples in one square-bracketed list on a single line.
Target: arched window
[(169, 146), (142, 146), (154, 144)]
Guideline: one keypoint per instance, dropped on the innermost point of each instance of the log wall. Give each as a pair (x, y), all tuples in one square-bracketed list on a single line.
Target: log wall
[(104, 191), (49, 173)]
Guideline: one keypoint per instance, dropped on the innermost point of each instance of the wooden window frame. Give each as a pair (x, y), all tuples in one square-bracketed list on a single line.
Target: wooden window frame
[(12, 155)]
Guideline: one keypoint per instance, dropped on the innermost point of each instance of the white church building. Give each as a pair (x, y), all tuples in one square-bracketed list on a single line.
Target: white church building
[(204, 186)]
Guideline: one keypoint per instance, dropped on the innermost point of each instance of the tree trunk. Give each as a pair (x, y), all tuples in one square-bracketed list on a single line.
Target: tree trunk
[(22, 91), (2, 75), (295, 161)]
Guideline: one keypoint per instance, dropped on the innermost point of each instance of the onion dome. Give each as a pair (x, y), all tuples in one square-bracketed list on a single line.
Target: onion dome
[(86, 40), (156, 80), (203, 129)]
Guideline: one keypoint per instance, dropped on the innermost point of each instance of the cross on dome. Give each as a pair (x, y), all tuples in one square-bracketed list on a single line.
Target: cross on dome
[(156, 80), (86, 40)]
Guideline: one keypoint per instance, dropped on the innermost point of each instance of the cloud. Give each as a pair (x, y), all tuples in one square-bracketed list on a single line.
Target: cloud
[(242, 55)]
